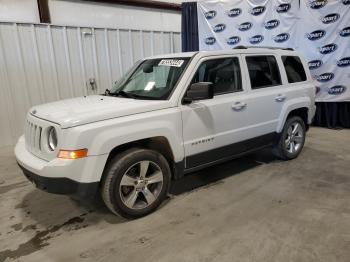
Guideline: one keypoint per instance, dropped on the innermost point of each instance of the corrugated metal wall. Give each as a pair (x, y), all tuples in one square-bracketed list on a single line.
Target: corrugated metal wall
[(40, 63)]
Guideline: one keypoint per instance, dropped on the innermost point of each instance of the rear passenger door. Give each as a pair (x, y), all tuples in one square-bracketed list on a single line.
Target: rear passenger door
[(266, 96)]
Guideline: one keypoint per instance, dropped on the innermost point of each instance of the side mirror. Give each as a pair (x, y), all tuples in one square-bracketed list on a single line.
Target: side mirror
[(199, 91)]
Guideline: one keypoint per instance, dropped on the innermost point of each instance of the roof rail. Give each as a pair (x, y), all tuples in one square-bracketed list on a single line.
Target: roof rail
[(240, 47), (268, 47)]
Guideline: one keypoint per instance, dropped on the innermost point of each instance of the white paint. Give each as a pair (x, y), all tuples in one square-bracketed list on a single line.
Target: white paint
[(64, 58), (93, 14), (79, 111), (19, 11), (101, 125), (62, 62), (110, 15)]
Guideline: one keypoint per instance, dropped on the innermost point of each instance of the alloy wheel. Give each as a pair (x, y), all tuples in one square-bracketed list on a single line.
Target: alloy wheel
[(141, 185), (294, 138)]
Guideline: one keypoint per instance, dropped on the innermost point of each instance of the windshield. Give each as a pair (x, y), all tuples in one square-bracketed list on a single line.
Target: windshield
[(151, 79)]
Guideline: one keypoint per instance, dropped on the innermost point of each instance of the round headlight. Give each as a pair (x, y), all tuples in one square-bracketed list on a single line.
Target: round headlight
[(52, 139)]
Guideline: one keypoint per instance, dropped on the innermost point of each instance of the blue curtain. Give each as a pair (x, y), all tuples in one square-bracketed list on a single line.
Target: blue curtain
[(189, 27), (333, 114)]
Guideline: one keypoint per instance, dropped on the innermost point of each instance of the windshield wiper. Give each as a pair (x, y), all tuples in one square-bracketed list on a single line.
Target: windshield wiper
[(124, 94), (127, 95), (118, 93)]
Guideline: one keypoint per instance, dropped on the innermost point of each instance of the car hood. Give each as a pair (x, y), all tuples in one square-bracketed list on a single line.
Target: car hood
[(84, 110)]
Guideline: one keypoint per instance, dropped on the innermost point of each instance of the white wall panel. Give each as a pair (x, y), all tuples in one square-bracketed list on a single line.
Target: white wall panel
[(43, 63), (82, 13), (19, 11)]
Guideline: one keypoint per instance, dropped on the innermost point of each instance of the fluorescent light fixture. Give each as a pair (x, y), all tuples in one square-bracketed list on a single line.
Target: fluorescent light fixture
[(149, 86)]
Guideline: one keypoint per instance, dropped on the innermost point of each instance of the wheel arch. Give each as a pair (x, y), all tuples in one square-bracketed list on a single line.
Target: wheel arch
[(295, 108), (158, 143), (302, 112)]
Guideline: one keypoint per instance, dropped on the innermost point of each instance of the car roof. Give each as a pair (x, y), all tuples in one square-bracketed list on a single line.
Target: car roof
[(241, 50), (174, 55)]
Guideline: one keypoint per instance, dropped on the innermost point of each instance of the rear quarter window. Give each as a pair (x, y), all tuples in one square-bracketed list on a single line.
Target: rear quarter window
[(294, 69)]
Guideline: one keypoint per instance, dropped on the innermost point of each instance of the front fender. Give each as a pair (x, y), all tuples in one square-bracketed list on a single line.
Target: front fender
[(291, 105), (102, 137), (107, 140)]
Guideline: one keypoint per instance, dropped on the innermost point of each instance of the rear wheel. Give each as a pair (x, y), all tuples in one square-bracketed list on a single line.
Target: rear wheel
[(291, 140), (136, 182)]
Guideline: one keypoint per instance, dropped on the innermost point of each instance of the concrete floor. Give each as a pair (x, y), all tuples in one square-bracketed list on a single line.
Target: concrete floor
[(261, 209)]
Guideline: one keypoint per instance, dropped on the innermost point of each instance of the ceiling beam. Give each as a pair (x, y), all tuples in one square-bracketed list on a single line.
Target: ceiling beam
[(44, 11), (142, 3)]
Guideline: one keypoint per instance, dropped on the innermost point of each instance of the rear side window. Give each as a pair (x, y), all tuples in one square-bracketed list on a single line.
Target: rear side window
[(263, 71), (294, 69), (224, 73)]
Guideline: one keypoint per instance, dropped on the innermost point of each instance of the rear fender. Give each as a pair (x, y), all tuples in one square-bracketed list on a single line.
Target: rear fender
[(291, 105)]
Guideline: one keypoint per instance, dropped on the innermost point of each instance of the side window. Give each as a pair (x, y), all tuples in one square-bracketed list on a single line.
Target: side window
[(225, 74), (294, 69), (263, 71)]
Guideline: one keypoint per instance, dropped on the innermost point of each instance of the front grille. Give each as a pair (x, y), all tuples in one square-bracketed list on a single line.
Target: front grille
[(33, 136), (36, 137)]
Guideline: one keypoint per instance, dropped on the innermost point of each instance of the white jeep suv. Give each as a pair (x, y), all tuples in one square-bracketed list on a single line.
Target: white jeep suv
[(170, 115)]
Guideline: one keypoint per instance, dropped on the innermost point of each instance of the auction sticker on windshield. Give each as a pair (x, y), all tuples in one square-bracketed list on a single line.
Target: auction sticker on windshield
[(171, 62)]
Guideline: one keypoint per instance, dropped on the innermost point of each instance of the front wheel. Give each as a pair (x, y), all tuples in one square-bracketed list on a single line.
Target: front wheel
[(291, 140), (136, 182)]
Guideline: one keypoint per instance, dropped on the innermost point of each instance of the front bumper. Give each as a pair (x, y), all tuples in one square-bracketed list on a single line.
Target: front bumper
[(61, 176), (61, 185)]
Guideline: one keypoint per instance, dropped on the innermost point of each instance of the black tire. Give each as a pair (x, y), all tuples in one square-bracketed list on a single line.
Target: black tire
[(116, 195), (282, 149)]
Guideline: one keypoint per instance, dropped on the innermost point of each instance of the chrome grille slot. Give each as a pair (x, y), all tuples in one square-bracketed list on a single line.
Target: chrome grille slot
[(40, 132), (33, 135)]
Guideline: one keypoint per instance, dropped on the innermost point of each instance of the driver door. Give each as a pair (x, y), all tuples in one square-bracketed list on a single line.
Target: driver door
[(211, 126)]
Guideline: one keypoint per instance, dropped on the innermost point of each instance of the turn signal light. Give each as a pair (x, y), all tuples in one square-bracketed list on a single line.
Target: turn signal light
[(73, 154)]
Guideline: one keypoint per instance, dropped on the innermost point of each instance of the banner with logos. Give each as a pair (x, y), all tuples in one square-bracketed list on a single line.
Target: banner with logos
[(318, 29)]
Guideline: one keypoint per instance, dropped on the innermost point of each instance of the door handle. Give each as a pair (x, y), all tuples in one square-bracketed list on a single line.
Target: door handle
[(239, 106), (280, 98)]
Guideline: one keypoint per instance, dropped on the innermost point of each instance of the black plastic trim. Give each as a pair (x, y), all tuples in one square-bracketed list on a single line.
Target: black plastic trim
[(223, 154), (230, 151), (62, 185), (179, 168), (267, 47)]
